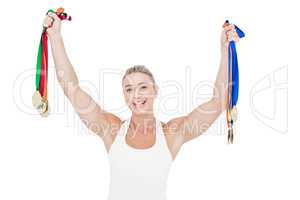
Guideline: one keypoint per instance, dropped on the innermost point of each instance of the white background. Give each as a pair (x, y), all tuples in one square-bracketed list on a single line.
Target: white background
[(57, 158)]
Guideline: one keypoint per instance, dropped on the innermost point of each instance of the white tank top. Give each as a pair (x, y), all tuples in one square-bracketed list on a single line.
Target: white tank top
[(139, 174)]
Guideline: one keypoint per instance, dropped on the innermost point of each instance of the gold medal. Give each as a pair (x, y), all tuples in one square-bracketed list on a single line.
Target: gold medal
[(36, 99), (47, 111), (42, 106), (234, 113)]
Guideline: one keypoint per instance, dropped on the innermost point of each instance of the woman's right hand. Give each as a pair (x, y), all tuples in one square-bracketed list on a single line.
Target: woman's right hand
[(53, 24)]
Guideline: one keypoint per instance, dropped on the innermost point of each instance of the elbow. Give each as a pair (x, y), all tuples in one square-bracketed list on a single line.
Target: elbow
[(219, 105), (220, 101)]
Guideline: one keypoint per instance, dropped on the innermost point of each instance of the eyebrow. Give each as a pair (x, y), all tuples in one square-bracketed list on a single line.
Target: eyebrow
[(138, 84)]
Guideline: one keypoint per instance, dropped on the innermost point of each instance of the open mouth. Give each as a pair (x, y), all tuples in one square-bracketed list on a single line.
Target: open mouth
[(139, 103)]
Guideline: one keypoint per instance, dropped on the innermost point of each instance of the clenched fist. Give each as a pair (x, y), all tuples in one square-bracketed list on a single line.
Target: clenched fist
[(53, 24), (228, 34)]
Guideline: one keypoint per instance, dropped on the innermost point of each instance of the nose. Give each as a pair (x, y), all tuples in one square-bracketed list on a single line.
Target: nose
[(137, 94), (134, 95)]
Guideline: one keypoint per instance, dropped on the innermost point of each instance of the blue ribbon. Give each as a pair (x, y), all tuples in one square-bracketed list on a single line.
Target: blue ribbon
[(233, 64)]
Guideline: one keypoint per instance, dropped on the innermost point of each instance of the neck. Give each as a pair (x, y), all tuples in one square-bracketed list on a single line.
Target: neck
[(143, 122)]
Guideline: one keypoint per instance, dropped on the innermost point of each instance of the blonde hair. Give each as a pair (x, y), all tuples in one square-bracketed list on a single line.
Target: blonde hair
[(141, 69)]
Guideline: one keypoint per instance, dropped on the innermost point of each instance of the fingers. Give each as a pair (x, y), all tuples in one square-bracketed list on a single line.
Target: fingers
[(50, 19), (230, 33), (48, 22), (53, 15), (229, 27)]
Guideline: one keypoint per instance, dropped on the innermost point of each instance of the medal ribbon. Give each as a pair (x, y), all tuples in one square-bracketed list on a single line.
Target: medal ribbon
[(42, 66), (41, 77), (233, 83)]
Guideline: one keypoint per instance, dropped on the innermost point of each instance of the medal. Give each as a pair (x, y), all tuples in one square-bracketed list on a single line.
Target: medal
[(40, 98), (233, 77), (36, 99), (234, 114), (46, 112), (42, 107)]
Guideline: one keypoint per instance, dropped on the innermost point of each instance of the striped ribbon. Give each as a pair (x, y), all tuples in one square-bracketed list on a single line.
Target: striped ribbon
[(41, 77)]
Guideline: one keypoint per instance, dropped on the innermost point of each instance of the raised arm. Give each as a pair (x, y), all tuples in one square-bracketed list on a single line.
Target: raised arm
[(95, 118), (192, 125)]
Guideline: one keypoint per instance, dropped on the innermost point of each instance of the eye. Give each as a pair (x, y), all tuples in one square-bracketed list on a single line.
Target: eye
[(143, 87), (128, 90)]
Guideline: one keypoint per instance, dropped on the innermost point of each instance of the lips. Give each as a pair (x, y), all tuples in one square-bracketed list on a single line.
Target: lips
[(139, 103)]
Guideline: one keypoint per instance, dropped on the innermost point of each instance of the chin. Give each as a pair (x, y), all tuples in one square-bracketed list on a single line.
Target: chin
[(141, 111)]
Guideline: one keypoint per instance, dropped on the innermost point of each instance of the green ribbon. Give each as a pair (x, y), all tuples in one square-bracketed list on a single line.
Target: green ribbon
[(38, 66)]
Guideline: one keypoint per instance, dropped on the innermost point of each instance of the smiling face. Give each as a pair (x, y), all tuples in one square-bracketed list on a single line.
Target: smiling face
[(139, 92)]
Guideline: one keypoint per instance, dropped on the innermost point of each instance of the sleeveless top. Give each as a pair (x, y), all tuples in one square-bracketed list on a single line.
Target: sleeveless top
[(139, 174)]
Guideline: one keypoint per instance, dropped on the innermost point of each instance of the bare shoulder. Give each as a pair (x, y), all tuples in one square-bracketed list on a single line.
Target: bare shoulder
[(172, 134)]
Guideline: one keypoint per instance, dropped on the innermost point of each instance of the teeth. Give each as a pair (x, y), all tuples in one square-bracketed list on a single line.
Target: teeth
[(139, 103)]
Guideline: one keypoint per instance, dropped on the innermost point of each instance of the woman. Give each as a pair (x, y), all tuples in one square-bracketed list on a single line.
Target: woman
[(141, 148)]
